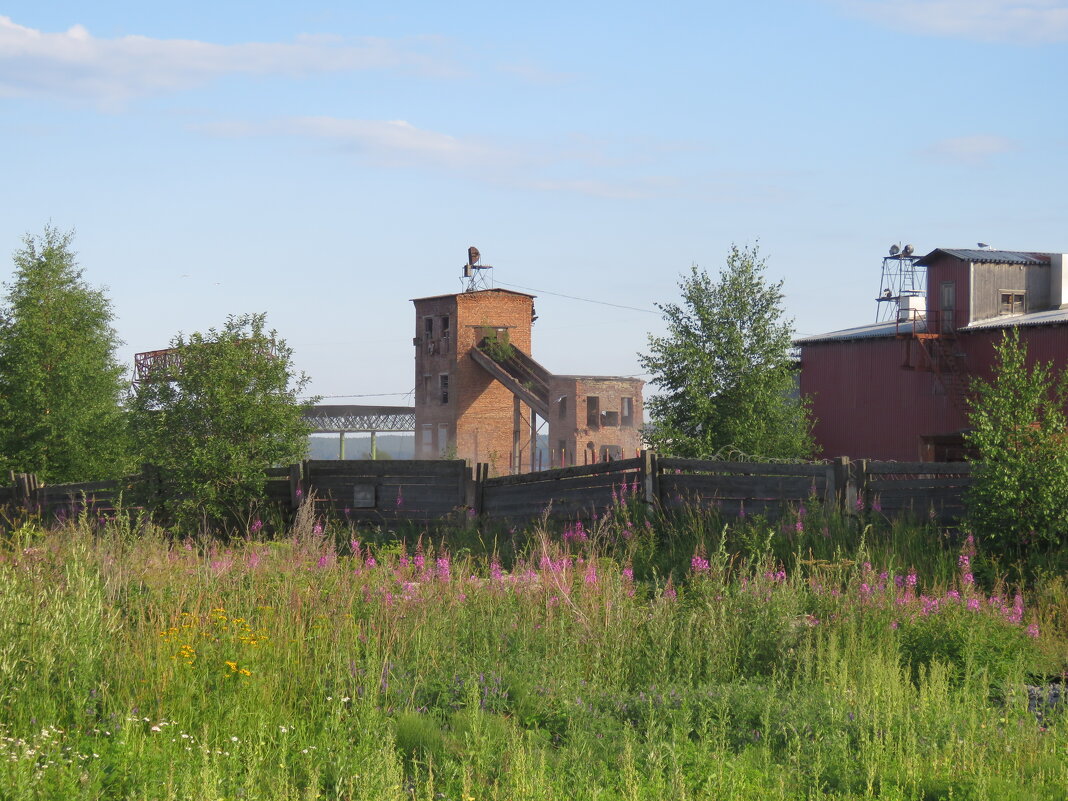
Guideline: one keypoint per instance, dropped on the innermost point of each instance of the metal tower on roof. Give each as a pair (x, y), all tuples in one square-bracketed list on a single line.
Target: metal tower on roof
[(903, 286), (475, 272)]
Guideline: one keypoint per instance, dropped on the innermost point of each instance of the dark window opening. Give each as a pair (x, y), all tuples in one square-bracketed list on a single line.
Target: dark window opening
[(1012, 303), (593, 412), (443, 380), (626, 414), (445, 333), (610, 419), (428, 335), (563, 407)]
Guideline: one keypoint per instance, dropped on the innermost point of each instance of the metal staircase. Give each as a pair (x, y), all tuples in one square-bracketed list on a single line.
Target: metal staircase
[(941, 355)]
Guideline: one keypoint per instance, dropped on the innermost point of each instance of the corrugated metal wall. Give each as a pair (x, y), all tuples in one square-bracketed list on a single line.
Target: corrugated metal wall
[(867, 407)]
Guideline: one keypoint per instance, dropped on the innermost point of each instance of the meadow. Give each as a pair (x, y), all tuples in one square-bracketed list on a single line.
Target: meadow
[(630, 657)]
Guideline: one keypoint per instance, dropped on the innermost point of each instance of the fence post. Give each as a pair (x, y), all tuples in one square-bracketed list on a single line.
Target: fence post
[(844, 489), (305, 481), (481, 474), (650, 470), (294, 485)]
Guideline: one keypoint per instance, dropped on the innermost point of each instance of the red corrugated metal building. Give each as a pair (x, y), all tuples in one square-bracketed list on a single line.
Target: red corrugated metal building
[(896, 389)]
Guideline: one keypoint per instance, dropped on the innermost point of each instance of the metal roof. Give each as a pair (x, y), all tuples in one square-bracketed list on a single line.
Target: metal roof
[(986, 255), (1045, 317), (874, 331)]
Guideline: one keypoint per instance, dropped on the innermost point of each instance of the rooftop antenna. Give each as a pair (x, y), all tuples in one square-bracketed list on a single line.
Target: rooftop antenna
[(474, 271), (903, 286)]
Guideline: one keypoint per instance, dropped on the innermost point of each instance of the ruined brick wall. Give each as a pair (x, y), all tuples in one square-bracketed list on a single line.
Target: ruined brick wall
[(586, 437)]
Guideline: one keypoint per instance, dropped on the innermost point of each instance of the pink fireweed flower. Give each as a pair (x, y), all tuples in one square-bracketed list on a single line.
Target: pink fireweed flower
[(317, 528), (444, 568), (799, 526), (860, 503), (899, 581), (628, 573), (326, 560), (400, 498), (253, 560), (257, 526), (669, 592), (968, 578), (1032, 630), (370, 561), (963, 560), (575, 532), (973, 604), (699, 564), (953, 595), (591, 573), (495, 571), (893, 624), (865, 589), (910, 579)]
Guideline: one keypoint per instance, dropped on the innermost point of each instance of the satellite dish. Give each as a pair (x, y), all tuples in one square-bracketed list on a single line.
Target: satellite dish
[(894, 250), (907, 250), (473, 255)]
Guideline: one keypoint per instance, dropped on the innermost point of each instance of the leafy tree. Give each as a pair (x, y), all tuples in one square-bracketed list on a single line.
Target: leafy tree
[(222, 411), (61, 388), (724, 368), (1019, 497)]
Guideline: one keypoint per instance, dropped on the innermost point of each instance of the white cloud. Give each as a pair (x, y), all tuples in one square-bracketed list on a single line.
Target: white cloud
[(971, 149), (398, 143), (75, 64), (1023, 21), (395, 142)]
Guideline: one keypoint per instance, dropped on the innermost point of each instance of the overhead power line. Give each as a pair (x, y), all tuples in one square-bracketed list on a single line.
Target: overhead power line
[(573, 297), (365, 395)]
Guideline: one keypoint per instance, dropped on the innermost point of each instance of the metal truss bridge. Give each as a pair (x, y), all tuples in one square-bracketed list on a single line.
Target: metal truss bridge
[(351, 419)]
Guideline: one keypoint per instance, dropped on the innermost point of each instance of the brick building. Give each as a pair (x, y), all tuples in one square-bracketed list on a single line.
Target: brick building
[(479, 395)]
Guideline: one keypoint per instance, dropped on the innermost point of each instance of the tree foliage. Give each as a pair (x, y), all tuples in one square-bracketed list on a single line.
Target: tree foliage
[(1018, 500), (724, 369), (61, 387), (227, 409)]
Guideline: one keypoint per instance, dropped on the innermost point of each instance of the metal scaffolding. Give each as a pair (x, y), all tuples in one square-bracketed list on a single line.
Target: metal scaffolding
[(357, 419)]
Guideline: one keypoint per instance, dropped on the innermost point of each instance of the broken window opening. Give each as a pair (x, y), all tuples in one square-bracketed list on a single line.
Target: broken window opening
[(593, 412)]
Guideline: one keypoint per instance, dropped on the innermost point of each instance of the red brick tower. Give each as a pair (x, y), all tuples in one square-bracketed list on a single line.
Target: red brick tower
[(461, 409)]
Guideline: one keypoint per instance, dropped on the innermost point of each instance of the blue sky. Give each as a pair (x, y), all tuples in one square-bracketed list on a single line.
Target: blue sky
[(326, 162)]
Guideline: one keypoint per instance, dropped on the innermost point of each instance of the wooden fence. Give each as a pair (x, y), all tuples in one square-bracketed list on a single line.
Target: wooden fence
[(387, 491)]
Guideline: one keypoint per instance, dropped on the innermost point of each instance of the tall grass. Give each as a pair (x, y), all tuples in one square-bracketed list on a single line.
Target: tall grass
[(631, 657)]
